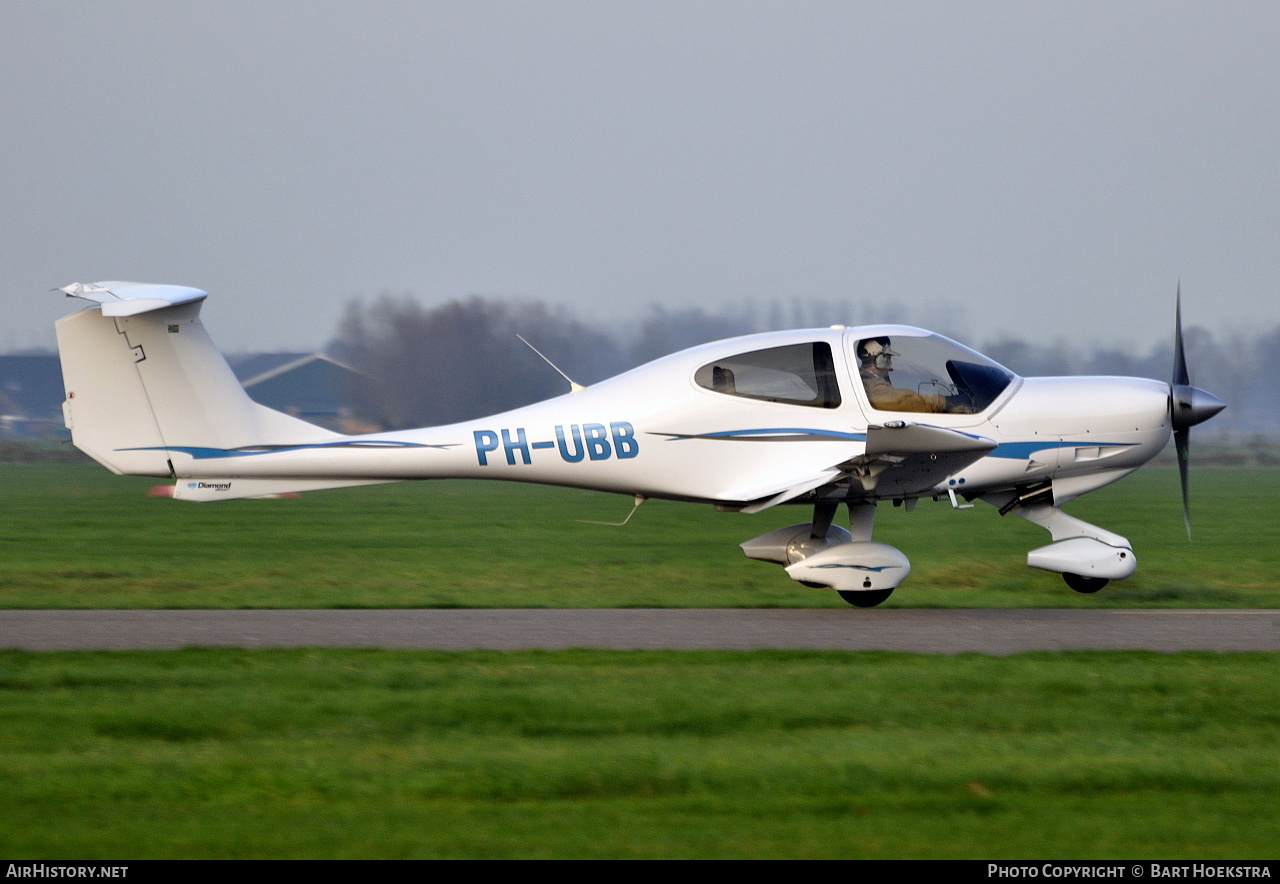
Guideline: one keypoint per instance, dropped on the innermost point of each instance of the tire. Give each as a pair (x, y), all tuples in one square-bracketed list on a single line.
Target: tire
[(1085, 584), (864, 598)]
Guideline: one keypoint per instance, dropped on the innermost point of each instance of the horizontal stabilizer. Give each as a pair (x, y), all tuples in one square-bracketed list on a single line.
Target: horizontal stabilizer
[(133, 298)]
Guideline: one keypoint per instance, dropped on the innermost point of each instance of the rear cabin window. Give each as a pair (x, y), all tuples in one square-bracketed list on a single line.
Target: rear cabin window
[(798, 374)]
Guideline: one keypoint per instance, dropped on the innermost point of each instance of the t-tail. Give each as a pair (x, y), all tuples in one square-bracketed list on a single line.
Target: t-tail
[(143, 379)]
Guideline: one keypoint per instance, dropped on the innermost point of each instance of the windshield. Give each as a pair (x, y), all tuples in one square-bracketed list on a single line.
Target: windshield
[(927, 374)]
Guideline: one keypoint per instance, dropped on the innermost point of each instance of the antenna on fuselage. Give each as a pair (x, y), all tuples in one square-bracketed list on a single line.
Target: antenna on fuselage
[(574, 386), (639, 499)]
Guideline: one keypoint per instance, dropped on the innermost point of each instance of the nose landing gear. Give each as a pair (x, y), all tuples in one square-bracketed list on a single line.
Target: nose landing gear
[(866, 598)]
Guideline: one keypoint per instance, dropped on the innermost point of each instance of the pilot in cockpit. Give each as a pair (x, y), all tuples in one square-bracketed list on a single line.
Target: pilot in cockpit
[(875, 359)]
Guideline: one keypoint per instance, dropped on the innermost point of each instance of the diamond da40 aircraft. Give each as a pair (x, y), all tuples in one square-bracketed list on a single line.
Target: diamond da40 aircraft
[(817, 417)]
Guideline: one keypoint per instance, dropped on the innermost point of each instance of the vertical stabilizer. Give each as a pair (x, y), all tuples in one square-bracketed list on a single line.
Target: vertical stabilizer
[(106, 408), (143, 379)]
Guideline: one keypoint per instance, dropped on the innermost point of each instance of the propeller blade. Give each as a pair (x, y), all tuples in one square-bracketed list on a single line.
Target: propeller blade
[(1181, 431), (1182, 440), (1181, 377), (1188, 406)]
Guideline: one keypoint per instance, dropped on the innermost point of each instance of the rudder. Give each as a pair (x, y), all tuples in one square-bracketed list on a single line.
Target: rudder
[(143, 379)]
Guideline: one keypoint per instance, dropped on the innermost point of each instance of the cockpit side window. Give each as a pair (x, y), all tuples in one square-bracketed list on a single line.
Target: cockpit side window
[(798, 374)]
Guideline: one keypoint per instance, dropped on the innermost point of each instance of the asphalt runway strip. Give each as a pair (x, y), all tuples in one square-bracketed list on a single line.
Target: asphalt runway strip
[(989, 631)]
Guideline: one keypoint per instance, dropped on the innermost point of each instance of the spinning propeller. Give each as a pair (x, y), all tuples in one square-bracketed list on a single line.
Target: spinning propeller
[(1188, 406)]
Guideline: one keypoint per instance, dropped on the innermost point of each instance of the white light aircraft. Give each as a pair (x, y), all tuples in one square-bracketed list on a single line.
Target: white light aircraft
[(820, 417)]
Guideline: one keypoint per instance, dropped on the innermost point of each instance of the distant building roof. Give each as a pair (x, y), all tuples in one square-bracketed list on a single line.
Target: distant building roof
[(287, 363), (312, 386), (247, 366), (31, 386)]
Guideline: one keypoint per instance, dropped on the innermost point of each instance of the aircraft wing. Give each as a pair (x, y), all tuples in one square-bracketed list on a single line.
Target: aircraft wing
[(908, 458), (900, 458)]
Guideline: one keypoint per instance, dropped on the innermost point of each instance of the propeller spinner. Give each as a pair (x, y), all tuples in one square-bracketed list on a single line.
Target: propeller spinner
[(1188, 406)]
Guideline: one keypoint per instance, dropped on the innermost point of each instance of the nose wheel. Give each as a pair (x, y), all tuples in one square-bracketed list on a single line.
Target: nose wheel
[(866, 598), (1084, 584)]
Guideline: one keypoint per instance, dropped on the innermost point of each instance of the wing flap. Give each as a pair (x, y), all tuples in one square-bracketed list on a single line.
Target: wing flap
[(790, 492)]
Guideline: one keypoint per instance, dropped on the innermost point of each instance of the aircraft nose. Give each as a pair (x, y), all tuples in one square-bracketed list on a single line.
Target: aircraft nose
[(1191, 406)]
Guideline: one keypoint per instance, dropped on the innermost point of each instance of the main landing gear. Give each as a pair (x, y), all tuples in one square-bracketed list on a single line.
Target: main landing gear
[(1084, 584), (862, 572)]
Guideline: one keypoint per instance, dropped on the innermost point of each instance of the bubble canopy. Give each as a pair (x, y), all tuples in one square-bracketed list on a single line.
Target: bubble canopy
[(930, 366), (926, 371)]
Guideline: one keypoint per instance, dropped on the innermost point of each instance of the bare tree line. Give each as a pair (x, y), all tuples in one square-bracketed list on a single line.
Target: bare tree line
[(425, 366)]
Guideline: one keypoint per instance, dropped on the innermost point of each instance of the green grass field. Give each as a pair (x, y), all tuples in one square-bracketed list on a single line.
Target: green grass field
[(203, 753), (332, 753), (75, 536)]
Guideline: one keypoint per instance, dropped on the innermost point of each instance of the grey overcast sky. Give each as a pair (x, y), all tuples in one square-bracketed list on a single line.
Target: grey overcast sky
[(1049, 169)]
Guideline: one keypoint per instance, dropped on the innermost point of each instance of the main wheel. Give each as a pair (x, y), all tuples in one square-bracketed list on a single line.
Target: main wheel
[(1081, 583), (864, 598)]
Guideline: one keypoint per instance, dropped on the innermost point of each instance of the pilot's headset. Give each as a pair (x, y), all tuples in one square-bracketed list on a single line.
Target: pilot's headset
[(876, 350)]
